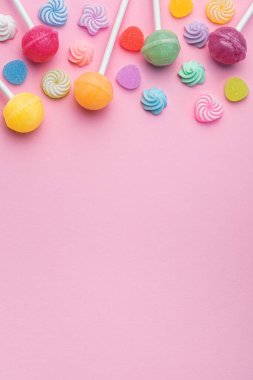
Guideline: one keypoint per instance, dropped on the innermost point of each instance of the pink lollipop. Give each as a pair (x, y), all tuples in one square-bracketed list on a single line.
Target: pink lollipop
[(227, 45), (41, 42)]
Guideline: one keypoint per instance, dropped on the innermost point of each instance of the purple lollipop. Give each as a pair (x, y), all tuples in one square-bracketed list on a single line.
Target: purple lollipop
[(227, 45)]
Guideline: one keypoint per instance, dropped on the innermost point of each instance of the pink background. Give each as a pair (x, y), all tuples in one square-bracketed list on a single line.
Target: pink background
[(126, 239)]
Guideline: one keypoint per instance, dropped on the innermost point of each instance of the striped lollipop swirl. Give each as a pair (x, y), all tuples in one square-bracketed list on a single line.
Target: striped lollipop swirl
[(94, 18), (220, 11), (56, 84), (154, 100), (54, 13), (208, 109)]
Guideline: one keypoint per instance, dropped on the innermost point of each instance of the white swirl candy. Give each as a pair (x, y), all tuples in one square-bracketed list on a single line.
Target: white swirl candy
[(208, 109), (8, 28), (94, 18), (56, 84)]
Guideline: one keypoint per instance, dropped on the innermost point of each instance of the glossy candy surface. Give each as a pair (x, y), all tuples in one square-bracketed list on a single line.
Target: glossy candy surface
[(93, 91), (227, 45), (40, 44), (161, 48), (24, 113)]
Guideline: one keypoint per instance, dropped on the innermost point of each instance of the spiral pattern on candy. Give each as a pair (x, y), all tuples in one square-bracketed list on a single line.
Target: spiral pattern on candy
[(192, 73), (56, 84), (54, 13), (154, 100), (220, 11), (81, 53), (94, 18), (8, 28), (196, 33), (208, 109)]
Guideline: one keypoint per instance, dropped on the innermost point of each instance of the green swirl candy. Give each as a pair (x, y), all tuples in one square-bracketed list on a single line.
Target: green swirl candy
[(192, 73)]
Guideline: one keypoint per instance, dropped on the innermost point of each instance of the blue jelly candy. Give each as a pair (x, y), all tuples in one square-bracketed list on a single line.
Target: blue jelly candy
[(15, 72)]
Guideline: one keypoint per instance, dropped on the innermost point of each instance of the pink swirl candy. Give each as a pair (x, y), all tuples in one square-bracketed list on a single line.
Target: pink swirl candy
[(94, 18), (81, 53), (208, 109)]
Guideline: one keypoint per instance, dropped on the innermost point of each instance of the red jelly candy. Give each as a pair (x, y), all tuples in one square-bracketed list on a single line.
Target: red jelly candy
[(132, 39), (40, 44)]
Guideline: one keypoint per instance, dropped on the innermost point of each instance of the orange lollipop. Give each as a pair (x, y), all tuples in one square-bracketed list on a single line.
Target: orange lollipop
[(93, 91)]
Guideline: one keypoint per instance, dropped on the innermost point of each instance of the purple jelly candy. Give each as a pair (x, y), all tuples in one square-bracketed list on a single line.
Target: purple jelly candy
[(227, 45), (129, 77)]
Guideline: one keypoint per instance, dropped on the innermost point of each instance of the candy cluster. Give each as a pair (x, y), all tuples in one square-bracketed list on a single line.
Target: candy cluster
[(93, 90)]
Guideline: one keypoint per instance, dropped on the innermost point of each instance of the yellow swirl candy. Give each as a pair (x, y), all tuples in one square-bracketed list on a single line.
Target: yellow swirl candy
[(220, 11)]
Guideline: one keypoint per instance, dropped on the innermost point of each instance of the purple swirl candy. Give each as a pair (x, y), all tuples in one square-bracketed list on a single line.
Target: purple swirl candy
[(93, 18), (196, 33)]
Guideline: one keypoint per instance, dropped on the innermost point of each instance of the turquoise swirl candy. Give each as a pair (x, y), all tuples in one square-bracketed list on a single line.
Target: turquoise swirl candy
[(54, 13), (192, 73), (154, 100)]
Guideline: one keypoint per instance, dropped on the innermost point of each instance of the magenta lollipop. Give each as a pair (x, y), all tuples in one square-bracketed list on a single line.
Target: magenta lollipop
[(41, 42), (227, 45)]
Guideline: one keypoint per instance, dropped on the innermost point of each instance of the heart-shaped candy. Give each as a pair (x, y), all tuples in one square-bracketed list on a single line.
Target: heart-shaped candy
[(129, 77), (236, 89), (132, 39)]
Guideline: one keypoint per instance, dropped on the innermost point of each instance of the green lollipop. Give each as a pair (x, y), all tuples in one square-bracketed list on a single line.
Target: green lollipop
[(162, 47)]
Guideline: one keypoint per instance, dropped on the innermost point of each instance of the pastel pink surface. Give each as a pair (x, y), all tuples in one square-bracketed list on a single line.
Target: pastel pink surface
[(126, 240)]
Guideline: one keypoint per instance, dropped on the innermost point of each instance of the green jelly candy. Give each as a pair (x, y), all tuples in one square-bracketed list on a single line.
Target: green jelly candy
[(236, 89)]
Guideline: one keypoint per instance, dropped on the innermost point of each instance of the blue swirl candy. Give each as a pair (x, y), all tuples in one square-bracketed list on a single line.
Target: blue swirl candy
[(54, 13), (154, 100)]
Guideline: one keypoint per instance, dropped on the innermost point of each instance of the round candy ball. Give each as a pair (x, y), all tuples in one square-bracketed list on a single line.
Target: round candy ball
[(227, 45), (40, 44), (93, 91), (24, 113), (161, 48)]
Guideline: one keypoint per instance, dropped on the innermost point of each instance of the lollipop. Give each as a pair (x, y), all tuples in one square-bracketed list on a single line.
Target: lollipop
[(227, 45), (93, 91), (24, 112), (162, 47), (41, 42)]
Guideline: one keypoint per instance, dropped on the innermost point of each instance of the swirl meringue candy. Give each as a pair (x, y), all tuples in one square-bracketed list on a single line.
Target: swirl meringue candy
[(56, 84), (181, 8), (81, 53), (154, 100), (196, 33), (220, 11), (8, 28), (192, 73)]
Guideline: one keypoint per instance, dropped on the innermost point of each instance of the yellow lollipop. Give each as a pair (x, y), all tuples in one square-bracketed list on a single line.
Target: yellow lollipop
[(24, 112), (93, 91)]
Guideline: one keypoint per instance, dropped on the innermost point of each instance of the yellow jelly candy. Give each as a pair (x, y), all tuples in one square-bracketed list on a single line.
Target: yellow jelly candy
[(24, 113), (180, 8), (93, 91), (236, 89)]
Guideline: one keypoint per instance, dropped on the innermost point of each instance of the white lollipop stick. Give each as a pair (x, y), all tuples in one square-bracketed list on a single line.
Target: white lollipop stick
[(157, 14), (245, 18), (6, 91), (23, 13), (113, 36)]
